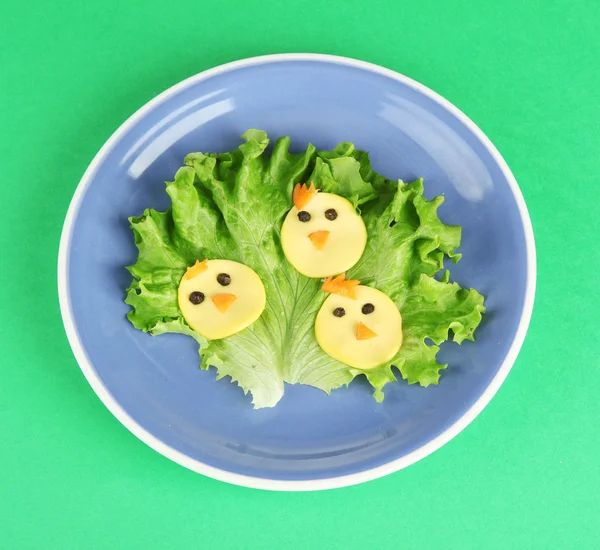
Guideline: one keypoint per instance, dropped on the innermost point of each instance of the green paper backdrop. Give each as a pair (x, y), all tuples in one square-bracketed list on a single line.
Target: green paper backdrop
[(525, 474)]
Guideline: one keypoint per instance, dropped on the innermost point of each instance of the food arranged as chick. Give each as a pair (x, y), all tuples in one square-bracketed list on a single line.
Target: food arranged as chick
[(358, 325), (220, 297), (322, 234)]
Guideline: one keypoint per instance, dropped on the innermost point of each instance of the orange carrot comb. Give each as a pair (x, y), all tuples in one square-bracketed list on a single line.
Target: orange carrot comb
[(196, 269), (340, 285), (303, 194)]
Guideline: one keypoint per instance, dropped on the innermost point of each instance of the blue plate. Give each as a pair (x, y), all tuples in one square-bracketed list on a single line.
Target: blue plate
[(309, 440)]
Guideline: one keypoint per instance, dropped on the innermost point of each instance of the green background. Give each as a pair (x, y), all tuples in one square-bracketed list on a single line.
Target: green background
[(525, 474)]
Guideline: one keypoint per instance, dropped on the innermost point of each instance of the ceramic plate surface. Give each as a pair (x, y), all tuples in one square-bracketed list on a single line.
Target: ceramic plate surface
[(309, 440)]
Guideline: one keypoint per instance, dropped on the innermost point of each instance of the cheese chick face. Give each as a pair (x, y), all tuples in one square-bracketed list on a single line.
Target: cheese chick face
[(364, 332), (219, 297), (322, 234)]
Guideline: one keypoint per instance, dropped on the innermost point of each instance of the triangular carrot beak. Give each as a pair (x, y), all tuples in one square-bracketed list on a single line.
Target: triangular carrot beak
[(319, 238), (223, 301), (363, 332)]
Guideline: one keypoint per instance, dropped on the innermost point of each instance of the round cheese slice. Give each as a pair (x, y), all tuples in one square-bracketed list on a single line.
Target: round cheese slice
[(360, 340), (321, 247), (222, 310)]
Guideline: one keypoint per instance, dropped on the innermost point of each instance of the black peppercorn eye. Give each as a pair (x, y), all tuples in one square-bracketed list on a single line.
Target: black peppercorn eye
[(304, 216), (331, 214), (223, 279), (196, 297), (339, 312), (368, 308)]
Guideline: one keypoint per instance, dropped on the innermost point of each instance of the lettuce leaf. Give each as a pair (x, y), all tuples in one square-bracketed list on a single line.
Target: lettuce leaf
[(231, 205)]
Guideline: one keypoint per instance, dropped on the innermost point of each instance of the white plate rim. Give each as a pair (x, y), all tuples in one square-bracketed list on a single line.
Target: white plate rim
[(274, 484)]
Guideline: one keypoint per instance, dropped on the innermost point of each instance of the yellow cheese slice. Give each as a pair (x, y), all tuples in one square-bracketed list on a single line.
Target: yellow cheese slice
[(323, 254), (224, 310), (345, 339)]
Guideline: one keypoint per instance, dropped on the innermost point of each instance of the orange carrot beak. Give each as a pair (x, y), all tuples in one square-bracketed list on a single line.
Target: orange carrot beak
[(363, 332), (319, 238), (223, 301)]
